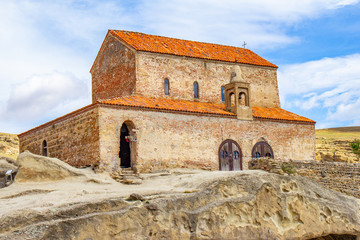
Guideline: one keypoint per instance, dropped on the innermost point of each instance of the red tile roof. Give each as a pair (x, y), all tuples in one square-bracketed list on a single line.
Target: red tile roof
[(279, 114), (202, 107), (179, 47), (169, 104)]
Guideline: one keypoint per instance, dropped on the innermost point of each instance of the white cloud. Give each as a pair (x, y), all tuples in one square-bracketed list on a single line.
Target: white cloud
[(261, 23), (44, 94), (331, 84), (41, 37)]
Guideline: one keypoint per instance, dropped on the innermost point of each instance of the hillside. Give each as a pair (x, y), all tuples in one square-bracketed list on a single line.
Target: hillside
[(9, 145), (333, 144)]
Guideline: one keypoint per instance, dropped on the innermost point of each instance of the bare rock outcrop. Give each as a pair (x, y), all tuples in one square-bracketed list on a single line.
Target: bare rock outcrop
[(6, 164), (36, 168), (9, 145), (244, 205)]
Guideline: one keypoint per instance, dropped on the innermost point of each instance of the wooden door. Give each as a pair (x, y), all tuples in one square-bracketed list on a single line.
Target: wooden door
[(262, 149), (230, 156)]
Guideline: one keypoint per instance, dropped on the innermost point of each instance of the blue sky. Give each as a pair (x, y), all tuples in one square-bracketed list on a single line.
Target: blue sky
[(47, 49)]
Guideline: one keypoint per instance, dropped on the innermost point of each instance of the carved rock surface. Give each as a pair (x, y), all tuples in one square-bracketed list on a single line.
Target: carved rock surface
[(244, 205)]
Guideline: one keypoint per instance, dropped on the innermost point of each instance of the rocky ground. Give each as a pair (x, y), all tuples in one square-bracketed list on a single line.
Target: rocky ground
[(51, 200), (333, 144)]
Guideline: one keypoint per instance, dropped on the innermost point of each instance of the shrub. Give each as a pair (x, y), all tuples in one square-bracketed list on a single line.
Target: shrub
[(288, 168), (356, 146)]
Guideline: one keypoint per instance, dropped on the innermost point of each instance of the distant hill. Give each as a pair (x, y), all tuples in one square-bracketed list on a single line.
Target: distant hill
[(9, 145), (333, 144)]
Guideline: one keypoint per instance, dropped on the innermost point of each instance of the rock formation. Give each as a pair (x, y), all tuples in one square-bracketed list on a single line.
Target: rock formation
[(333, 144), (9, 145), (6, 164), (35, 168), (236, 205)]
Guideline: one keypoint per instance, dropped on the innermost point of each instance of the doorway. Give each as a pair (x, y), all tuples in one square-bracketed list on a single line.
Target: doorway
[(125, 152), (262, 149), (230, 156)]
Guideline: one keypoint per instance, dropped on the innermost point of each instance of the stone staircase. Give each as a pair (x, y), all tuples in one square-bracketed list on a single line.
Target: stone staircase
[(127, 176), (337, 150)]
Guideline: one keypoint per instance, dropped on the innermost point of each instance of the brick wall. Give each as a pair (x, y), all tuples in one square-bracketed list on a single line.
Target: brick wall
[(182, 72), (164, 139), (113, 72), (73, 138), (340, 176), (167, 140)]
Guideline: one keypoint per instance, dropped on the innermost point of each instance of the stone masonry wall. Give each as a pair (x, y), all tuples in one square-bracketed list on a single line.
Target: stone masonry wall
[(73, 138), (169, 140), (182, 72), (340, 176), (113, 72)]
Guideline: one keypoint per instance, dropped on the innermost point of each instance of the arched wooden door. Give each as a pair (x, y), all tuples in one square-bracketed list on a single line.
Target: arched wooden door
[(262, 149), (230, 156)]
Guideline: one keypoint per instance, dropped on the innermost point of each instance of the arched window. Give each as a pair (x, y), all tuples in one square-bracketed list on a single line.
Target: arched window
[(166, 86), (232, 99), (196, 90), (223, 93), (262, 149), (44, 148)]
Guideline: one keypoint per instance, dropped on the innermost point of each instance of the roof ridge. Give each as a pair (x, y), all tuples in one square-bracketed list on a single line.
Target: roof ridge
[(189, 48), (223, 45)]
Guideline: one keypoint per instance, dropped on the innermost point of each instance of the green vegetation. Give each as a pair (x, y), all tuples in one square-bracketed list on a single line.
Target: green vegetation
[(288, 168), (356, 146)]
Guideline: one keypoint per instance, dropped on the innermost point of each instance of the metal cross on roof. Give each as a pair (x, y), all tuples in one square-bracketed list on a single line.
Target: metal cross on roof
[(244, 45)]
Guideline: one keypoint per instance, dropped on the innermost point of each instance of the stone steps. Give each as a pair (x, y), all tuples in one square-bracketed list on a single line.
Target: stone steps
[(127, 176)]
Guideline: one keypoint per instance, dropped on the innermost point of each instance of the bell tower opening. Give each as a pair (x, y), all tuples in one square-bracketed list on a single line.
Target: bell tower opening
[(237, 95)]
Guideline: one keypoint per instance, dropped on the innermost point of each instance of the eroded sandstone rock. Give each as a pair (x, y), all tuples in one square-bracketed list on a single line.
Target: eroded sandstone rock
[(36, 168), (248, 205)]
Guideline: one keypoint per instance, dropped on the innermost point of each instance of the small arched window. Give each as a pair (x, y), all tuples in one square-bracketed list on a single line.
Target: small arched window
[(44, 148), (196, 90), (242, 99), (232, 99), (166, 86), (223, 93)]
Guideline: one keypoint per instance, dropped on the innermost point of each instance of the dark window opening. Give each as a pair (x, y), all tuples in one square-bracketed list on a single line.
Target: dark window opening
[(236, 154), (223, 93), (166, 86), (257, 155), (44, 148), (196, 90), (125, 147), (224, 154)]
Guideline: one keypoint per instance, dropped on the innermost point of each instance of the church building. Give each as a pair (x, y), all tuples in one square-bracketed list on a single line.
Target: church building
[(160, 102)]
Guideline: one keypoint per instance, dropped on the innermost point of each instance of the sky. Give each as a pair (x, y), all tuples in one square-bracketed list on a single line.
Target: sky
[(47, 49)]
